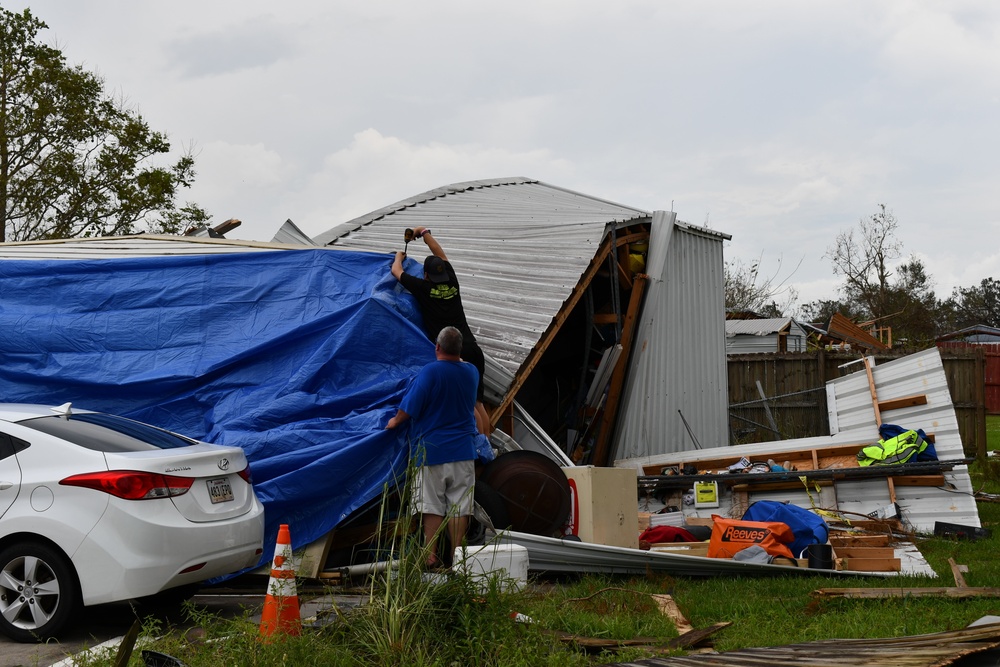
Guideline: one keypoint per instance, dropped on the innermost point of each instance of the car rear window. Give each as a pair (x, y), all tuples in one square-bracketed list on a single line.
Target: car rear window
[(107, 433)]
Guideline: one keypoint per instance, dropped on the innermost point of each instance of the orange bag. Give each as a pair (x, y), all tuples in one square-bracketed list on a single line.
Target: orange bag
[(732, 535)]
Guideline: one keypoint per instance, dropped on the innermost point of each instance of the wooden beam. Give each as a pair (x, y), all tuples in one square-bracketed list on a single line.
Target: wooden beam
[(605, 318), (959, 592), (846, 540), (852, 552), (871, 389), (624, 272), (958, 571), (918, 480), (550, 332), (601, 444), (904, 402)]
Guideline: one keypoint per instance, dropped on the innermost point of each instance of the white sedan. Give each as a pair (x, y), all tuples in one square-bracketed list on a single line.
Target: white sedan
[(96, 508)]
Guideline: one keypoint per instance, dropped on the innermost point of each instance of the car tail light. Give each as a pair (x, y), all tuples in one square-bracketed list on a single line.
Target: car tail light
[(131, 484), (245, 474)]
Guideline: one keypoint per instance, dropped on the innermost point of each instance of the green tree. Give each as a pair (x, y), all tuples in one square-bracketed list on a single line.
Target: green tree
[(73, 161), (980, 304), (915, 310)]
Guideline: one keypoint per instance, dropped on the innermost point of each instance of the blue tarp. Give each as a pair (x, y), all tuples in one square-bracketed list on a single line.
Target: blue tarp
[(297, 357)]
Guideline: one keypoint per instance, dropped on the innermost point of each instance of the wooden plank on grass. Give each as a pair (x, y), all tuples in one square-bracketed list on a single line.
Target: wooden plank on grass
[(966, 592), (695, 637), (668, 607), (958, 571)]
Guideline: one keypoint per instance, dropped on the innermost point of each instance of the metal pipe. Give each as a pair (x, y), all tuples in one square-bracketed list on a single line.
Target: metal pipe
[(367, 568)]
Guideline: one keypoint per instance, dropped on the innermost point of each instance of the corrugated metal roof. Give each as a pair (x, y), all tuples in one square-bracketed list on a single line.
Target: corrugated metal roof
[(290, 233), (519, 247), (138, 245), (758, 327), (678, 363)]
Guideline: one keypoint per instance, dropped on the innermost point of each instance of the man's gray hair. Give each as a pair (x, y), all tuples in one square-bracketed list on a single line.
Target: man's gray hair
[(450, 341)]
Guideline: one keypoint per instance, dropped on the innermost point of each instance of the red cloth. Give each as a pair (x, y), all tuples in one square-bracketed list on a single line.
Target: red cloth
[(657, 534)]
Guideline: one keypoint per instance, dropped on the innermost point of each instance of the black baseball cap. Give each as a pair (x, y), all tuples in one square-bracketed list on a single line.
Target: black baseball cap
[(435, 269)]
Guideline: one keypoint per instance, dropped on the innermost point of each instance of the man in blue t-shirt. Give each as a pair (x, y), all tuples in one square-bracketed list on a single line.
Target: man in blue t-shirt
[(441, 401)]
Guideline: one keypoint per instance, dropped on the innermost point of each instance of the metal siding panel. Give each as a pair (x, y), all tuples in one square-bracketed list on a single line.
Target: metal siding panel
[(678, 363)]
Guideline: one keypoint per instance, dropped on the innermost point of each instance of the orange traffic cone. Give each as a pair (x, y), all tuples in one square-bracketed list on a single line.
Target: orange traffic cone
[(281, 606)]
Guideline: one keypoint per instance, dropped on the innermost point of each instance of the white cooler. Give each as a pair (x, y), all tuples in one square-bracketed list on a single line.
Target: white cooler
[(508, 563)]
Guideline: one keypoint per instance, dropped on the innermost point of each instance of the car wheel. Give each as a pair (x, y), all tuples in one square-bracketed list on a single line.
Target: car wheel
[(491, 504), (38, 592)]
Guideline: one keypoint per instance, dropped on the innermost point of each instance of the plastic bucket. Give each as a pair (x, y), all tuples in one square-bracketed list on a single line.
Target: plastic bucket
[(820, 556)]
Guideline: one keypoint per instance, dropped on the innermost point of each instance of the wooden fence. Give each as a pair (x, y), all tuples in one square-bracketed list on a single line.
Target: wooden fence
[(992, 354), (780, 396)]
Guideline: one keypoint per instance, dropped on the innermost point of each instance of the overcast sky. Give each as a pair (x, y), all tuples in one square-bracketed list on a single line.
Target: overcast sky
[(780, 123)]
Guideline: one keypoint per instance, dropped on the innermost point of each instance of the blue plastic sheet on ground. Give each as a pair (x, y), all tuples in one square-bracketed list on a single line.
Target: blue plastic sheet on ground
[(298, 357)]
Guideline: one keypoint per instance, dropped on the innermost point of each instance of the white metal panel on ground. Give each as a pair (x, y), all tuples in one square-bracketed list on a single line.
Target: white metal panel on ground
[(519, 248), (549, 554), (851, 402), (677, 371)]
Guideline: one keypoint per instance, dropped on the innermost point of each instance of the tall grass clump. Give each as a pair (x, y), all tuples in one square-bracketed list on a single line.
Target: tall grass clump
[(420, 618)]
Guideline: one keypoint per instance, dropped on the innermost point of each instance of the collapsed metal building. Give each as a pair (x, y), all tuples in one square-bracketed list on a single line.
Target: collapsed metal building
[(557, 282), (602, 323)]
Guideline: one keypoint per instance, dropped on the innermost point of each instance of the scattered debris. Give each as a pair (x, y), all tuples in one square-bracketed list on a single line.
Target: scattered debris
[(929, 650)]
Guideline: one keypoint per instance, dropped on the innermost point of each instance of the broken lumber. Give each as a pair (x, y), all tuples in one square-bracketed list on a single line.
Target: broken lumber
[(668, 607), (958, 571), (956, 592)]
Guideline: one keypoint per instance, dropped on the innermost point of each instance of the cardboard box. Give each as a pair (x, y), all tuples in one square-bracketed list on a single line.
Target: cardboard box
[(605, 504)]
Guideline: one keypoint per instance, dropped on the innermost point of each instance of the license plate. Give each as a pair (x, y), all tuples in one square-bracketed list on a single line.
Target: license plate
[(219, 490)]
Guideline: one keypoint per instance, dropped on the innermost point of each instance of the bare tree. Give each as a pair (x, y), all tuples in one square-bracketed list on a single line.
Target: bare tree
[(864, 256), (746, 290)]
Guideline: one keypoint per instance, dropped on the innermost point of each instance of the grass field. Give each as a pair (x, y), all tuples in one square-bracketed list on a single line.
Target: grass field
[(992, 432)]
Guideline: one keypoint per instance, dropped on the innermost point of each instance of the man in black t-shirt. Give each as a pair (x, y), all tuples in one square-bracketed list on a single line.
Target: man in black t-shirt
[(440, 301)]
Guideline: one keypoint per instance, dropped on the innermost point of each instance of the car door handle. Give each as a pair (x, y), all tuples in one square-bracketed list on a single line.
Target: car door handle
[(5, 485)]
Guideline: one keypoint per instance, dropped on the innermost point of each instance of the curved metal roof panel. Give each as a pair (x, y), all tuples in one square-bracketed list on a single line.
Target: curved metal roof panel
[(519, 247)]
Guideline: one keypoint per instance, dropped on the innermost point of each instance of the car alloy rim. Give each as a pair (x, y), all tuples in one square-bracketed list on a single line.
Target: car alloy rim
[(29, 592)]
